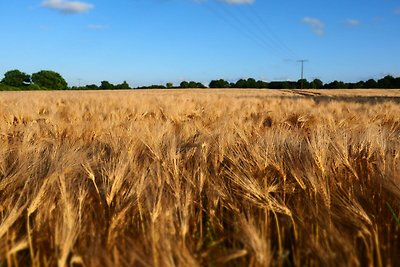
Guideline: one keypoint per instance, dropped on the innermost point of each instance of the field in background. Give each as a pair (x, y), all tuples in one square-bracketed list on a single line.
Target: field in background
[(231, 92), (200, 178)]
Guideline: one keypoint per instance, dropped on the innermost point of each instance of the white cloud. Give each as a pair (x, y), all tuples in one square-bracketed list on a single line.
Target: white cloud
[(352, 22), (238, 2), (65, 6), (317, 26)]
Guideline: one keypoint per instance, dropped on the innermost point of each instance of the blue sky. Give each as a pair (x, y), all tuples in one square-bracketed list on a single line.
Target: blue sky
[(157, 41)]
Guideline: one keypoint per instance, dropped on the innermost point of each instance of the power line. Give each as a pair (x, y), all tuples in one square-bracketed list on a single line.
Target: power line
[(238, 24), (262, 34), (273, 35), (252, 25), (251, 30), (260, 31)]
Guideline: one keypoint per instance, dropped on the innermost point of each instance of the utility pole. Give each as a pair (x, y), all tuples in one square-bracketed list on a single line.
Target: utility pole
[(79, 82), (302, 61)]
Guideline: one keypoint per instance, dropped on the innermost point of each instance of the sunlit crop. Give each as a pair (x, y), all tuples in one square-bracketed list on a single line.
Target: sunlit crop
[(242, 178)]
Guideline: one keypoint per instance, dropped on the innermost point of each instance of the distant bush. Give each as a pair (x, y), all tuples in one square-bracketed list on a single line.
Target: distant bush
[(49, 79), (34, 87), (4, 87), (154, 86), (221, 83), (16, 78), (191, 84)]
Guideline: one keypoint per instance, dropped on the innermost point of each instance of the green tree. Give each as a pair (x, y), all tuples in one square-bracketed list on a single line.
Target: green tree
[(154, 86), (50, 80), (335, 85), (241, 83), (105, 85), (303, 83), (92, 87), (282, 85), (316, 84), (221, 83), (370, 84), (388, 82), (123, 85), (262, 84), (251, 83), (184, 84), (192, 84), (356, 85), (169, 85), (200, 85), (397, 83), (16, 78)]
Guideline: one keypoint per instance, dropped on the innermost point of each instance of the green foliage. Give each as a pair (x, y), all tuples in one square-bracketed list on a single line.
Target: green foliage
[(282, 85), (30, 87), (191, 84), (50, 80), (200, 85), (16, 78), (4, 87), (184, 84), (221, 83), (371, 83), (262, 84), (249, 83), (105, 85), (335, 85), (33, 87), (92, 87), (303, 84), (316, 84), (154, 86), (357, 85), (239, 84), (388, 82), (123, 85)]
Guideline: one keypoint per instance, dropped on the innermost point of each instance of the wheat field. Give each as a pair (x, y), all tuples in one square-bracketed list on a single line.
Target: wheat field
[(197, 178)]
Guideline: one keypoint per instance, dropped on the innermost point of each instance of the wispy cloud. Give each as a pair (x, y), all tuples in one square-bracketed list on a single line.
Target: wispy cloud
[(316, 25), (44, 28), (69, 7), (397, 10), (352, 22), (238, 2), (97, 26)]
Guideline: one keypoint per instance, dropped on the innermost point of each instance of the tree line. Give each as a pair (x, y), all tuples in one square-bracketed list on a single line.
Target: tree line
[(51, 80), (42, 80), (48, 80), (388, 82)]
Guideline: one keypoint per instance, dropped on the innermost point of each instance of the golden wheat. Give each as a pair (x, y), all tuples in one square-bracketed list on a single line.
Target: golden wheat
[(202, 178)]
